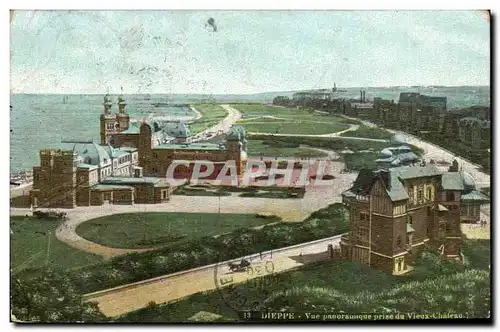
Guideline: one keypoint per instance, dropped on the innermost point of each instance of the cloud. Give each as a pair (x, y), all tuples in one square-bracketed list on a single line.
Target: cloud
[(161, 51)]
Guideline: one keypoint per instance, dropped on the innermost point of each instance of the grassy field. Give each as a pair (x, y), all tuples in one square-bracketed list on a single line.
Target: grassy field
[(258, 110), (211, 115), (258, 148), (306, 128), (359, 160), (30, 239), (368, 132), (329, 143), (341, 286), (136, 230)]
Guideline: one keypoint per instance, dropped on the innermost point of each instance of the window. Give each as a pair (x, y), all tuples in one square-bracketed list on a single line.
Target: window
[(410, 220), (363, 216), (449, 196), (411, 194), (420, 194), (155, 155), (429, 193), (398, 241), (363, 235)]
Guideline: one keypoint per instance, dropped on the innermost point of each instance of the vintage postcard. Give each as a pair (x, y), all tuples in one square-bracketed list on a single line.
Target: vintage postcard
[(199, 166)]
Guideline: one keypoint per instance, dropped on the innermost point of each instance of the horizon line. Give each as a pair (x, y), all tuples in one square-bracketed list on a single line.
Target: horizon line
[(251, 93)]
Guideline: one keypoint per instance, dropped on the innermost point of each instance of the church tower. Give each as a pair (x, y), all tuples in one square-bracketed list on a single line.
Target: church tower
[(109, 125), (122, 117)]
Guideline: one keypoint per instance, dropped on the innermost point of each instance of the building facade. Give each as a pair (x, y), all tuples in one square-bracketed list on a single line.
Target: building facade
[(130, 165), (397, 212)]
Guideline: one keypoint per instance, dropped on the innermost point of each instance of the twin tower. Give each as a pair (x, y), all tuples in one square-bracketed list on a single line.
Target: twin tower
[(113, 123)]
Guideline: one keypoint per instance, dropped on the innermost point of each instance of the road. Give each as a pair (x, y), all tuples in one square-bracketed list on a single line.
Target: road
[(221, 127), (126, 298)]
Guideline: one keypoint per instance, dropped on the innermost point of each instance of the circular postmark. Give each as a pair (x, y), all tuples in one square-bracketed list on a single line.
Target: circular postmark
[(244, 283)]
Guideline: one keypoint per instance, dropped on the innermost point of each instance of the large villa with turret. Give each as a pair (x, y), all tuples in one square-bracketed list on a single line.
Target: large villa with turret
[(130, 163)]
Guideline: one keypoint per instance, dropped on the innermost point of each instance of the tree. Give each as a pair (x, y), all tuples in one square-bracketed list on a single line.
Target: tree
[(50, 297), (281, 100)]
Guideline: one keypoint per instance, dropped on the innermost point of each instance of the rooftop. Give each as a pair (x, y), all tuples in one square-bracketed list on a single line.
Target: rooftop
[(83, 165), (411, 172), (192, 146), (110, 186), (131, 180), (452, 181), (475, 195)]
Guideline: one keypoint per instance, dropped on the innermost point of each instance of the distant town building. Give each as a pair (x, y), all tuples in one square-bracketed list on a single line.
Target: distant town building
[(325, 94), (474, 131), (422, 100), (397, 212)]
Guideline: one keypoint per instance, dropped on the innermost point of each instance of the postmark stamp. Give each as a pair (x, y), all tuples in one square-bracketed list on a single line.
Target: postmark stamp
[(231, 277)]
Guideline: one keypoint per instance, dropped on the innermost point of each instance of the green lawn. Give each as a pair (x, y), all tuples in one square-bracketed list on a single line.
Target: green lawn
[(211, 115), (258, 148), (368, 132), (342, 286), (136, 230), (256, 110), (329, 143), (359, 160), (30, 244), (306, 128)]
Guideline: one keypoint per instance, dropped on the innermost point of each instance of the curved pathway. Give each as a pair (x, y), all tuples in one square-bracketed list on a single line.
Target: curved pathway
[(223, 126)]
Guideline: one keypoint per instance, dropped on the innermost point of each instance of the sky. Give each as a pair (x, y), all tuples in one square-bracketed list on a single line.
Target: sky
[(251, 51)]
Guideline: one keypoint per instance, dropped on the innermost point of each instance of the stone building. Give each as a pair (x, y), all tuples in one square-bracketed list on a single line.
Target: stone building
[(395, 213), (91, 174), (130, 165), (156, 159)]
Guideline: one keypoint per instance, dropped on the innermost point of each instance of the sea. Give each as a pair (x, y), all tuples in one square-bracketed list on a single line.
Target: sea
[(40, 121)]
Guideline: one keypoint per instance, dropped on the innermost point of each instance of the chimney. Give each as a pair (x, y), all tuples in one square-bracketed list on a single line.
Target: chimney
[(361, 96)]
